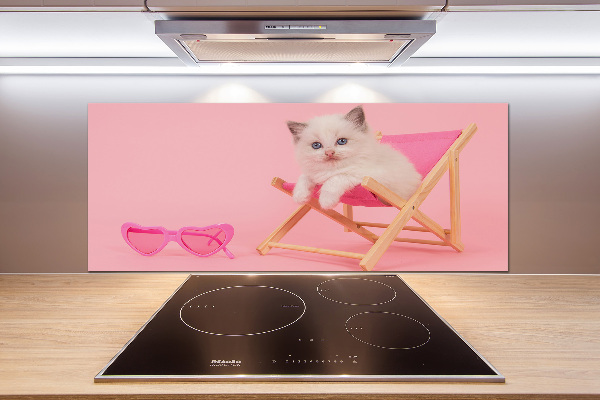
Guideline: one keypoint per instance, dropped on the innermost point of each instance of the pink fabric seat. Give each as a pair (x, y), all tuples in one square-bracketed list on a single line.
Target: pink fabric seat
[(424, 150)]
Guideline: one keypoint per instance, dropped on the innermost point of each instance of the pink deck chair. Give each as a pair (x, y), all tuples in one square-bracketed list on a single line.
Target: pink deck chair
[(432, 154)]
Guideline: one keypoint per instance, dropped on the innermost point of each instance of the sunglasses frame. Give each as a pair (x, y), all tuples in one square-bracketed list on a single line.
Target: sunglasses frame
[(175, 236)]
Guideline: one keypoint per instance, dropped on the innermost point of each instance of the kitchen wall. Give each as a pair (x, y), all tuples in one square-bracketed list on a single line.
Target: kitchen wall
[(554, 130)]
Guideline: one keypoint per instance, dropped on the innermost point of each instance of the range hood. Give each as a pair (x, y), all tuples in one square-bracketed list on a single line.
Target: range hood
[(386, 42)]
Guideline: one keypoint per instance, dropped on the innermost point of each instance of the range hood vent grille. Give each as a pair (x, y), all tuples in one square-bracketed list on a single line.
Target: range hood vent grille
[(389, 42), (295, 51)]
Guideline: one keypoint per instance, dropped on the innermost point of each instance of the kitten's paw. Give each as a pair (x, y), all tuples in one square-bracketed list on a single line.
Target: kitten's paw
[(301, 196), (328, 200)]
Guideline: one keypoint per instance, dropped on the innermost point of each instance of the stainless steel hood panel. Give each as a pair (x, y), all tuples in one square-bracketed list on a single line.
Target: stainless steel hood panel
[(389, 42)]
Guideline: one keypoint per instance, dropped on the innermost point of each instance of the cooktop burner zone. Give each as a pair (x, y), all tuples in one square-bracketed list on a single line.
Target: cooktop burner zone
[(297, 328)]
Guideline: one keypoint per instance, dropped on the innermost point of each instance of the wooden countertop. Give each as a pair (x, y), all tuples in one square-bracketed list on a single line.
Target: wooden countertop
[(542, 332)]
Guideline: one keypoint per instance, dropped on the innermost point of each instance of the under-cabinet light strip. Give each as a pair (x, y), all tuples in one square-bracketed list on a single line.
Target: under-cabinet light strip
[(580, 66)]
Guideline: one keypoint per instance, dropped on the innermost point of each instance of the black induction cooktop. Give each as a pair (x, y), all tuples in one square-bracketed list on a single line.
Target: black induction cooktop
[(297, 327)]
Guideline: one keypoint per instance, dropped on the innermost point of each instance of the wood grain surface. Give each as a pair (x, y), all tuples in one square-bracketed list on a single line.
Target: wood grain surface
[(542, 332)]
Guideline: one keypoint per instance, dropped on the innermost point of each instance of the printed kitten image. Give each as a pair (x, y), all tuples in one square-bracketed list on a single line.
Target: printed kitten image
[(337, 151)]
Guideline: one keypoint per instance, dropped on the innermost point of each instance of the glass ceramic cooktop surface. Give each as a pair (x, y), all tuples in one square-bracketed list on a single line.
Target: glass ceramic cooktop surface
[(297, 327)]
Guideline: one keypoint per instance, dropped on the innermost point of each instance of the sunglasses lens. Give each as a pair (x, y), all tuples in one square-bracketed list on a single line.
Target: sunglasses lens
[(145, 240), (203, 241)]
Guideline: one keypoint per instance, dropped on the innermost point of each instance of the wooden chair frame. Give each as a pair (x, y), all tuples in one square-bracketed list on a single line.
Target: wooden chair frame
[(407, 210)]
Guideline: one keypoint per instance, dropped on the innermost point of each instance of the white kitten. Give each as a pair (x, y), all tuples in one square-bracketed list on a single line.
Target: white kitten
[(338, 151)]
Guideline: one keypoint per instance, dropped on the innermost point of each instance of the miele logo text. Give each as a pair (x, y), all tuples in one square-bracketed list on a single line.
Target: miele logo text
[(225, 363)]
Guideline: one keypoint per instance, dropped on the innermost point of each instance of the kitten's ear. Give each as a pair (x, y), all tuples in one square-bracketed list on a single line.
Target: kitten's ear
[(357, 117), (296, 128)]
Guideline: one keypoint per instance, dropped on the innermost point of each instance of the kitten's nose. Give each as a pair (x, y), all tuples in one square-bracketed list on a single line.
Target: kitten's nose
[(329, 153)]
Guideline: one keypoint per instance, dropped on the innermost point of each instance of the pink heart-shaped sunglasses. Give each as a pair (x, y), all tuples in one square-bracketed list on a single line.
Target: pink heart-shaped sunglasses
[(200, 241)]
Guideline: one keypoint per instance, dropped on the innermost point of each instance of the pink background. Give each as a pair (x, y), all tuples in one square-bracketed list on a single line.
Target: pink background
[(177, 165)]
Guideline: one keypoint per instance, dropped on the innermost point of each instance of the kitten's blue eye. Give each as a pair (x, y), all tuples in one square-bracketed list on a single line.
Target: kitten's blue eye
[(342, 141), (316, 145)]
